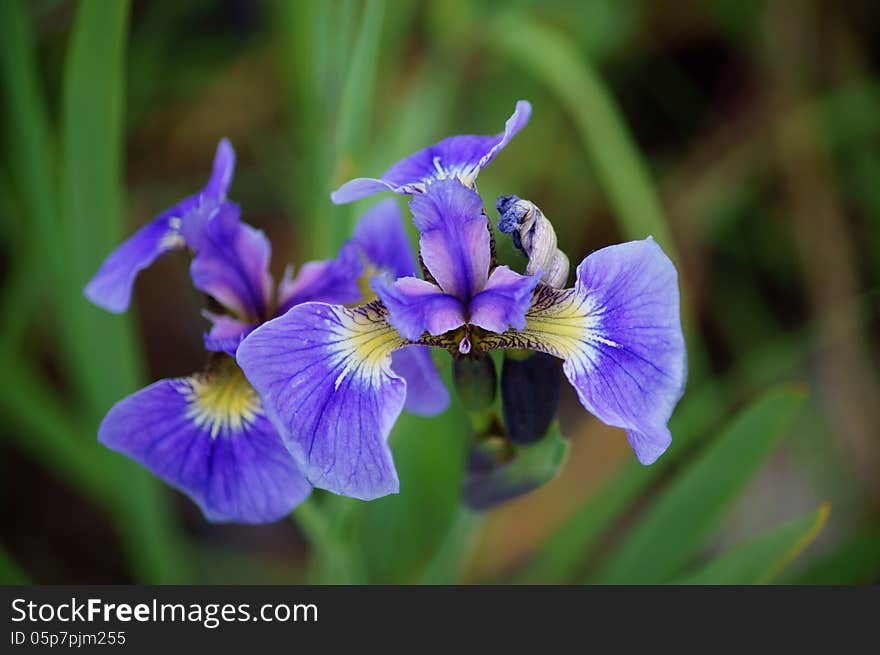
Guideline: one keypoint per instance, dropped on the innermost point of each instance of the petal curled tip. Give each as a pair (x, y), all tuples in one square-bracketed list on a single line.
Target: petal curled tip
[(361, 187), (223, 171), (111, 287), (461, 157), (649, 443)]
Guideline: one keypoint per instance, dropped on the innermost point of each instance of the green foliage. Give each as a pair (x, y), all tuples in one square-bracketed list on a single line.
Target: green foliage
[(352, 87), (676, 525), (762, 559)]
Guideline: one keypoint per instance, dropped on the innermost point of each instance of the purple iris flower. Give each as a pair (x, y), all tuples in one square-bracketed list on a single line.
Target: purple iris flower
[(324, 370), (456, 157), (208, 434)]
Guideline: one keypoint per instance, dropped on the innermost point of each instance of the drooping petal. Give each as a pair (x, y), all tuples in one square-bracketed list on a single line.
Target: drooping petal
[(232, 263), (504, 301), (426, 395), (381, 236), (226, 333), (458, 157), (619, 332), (416, 306), (334, 281), (208, 437), (454, 241), (112, 285), (324, 373)]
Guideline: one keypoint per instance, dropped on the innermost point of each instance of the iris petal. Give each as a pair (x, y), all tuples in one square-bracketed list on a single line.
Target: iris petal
[(416, 306), (454, 240), (330, 280), (457, 157), (504, 301), (208, 437), (324, 373), (232, 263), (381, 236), (426, 395), (619, 332), (112, 285)]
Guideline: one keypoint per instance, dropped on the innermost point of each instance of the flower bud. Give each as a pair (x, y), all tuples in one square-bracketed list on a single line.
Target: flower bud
[(533, 233), (530, 388), (475, 380)]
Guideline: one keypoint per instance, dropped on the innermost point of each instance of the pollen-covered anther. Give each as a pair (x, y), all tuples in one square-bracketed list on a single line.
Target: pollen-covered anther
[(533, 233)]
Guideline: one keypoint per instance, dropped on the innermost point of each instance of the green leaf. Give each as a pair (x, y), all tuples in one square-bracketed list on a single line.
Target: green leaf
[(562, 556), (555, 59), (676, 525), (451, 557), (762, 559), (101, 353), (855, 561), (10, 572), (489, 483), (29, 147), (400, 534)]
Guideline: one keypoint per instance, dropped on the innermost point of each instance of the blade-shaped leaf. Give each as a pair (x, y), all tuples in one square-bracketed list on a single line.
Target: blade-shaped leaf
[(101, 351), (676, 525), (762, 559), (855, 561), (561, 557)]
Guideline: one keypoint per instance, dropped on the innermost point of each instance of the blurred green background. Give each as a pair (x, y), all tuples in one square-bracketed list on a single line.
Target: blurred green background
[(744, 135)]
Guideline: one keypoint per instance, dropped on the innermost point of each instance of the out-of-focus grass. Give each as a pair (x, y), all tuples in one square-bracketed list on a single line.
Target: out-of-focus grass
[(645, 122)]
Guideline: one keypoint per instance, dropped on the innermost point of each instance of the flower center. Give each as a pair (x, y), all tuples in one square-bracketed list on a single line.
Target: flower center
[(222, 399)]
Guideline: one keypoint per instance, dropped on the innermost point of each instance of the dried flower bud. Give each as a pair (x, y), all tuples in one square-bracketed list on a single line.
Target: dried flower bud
[(533, 233)]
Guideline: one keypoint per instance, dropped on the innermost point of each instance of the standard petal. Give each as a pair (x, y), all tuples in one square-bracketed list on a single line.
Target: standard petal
[(426, 395), (456, 157), (208, 437), (232, 263), (503, 303), (221, 175), (454, 241), (619, 332), (111, 286), (381, 236), (324, 373), (335, 281), (226, 333), (416, 306)]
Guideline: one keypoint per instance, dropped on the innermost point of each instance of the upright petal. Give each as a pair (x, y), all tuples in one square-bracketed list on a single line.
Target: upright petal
[(426, 395), (221, 175), (457, 157), (619, 332), (416, 306), (335, 281), (324, 373), (226, 332), (232, 263), (208, 437), (112, 285), (381, 236), (454, 241), (504, 301)]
